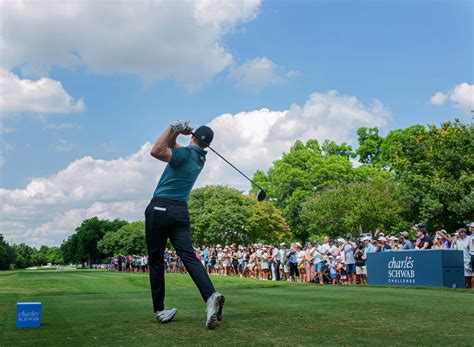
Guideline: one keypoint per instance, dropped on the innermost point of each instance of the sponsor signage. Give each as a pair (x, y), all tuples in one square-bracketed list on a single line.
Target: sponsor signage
[(440, 268), (28, 314)]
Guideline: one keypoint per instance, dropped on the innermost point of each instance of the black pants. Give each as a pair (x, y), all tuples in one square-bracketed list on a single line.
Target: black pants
[(294, 270), (275, 266), (170, 219)]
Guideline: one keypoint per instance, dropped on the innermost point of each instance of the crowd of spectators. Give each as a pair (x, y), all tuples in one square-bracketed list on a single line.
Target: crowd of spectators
[(333, 261)]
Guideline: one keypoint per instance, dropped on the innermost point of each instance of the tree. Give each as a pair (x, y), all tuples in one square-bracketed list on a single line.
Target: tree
[(306, 169), (370, 143), (129, 239), (7, 254), (350, 208), (222, 215), (42, 255), (436, 165), (82, 246), (26, 256), (54, 256)]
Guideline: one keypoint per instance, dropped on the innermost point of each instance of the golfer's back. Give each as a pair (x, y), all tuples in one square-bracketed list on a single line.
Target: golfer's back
[(181, 173)]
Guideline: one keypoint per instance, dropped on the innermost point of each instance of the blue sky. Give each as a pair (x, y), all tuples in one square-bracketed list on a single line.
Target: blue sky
[(398, 52)]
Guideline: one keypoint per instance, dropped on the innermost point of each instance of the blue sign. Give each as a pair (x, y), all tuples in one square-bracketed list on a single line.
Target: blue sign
[(28, 314), (438, 268)]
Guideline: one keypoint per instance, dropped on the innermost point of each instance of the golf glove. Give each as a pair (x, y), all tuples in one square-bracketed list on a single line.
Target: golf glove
[(180, 126)]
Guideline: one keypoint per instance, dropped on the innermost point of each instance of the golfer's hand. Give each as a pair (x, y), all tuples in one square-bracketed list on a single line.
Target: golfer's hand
[(187, 131), (180, 126)]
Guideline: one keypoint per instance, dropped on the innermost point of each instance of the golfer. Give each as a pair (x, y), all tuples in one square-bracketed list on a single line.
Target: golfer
[(167, 216)]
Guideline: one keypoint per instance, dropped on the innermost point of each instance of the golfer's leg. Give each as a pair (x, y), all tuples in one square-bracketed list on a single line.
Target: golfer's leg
[(180, 238), (156, 236)]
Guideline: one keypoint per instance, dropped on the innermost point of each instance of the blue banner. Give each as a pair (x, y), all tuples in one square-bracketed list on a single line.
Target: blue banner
[(439, 268), (28, 314)]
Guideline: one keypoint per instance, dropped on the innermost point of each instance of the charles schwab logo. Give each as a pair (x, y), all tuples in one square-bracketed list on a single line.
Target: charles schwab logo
[(401, 271), (28, 316)]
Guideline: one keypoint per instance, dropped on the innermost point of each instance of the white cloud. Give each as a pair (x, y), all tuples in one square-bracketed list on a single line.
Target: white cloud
[(152, 39), (461, 97), (258, 73), (438, 98), (49, 208), (259, 137), (43, 96)]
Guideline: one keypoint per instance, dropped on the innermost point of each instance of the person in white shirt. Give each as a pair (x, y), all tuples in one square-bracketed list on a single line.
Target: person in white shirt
[(284, 252), (462, 243), (300, 255), (275, 262), (320, 253)]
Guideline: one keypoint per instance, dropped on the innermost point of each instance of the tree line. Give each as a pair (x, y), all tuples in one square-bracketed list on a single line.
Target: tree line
[(418, 174)]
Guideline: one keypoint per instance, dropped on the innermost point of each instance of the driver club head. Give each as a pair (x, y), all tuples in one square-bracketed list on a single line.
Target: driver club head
[(261, 195)]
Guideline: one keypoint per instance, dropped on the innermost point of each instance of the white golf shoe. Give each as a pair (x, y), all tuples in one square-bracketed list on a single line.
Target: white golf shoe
[(215, 305), (166, 315)]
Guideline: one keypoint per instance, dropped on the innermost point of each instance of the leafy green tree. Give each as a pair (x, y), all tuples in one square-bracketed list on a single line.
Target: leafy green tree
[(54, 256), (82, 246), (26, 256), (222, 215), (305, 169), (129, 239), (370, 143), (69, 251), (436, 165), (354, 207), (332, 148), (42, 255), (7, 254)]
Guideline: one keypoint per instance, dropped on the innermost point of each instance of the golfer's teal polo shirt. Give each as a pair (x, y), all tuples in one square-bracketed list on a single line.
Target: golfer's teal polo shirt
[(180, 174)]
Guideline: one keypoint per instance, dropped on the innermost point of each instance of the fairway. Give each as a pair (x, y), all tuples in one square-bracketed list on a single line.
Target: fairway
[(104, 308)]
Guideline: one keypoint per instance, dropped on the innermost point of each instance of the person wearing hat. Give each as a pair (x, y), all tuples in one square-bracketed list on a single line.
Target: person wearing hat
[(167, 216), (423, 241), (462, 243), (405, 243), (382, 245)]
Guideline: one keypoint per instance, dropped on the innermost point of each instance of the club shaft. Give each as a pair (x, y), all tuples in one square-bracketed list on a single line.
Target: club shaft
[(228, 162)]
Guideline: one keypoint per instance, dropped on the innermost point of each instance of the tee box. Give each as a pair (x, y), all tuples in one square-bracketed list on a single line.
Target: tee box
[(28, 314)]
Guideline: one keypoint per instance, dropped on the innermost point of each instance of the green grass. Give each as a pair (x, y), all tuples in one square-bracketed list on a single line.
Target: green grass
[(92, 308)]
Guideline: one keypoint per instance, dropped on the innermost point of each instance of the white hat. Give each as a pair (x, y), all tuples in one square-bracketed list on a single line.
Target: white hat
[(341, 240), (383, 239)]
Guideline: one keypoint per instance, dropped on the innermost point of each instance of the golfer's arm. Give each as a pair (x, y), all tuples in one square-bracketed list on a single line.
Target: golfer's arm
[(161, 149), (172, 142)]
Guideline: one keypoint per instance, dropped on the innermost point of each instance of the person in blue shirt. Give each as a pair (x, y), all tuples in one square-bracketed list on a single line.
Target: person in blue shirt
[(405, 243), (167, 216), (423, 241)]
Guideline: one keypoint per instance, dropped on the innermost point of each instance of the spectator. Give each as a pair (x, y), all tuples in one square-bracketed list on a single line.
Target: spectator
[(332, 269), (284, 253), (462, 243), (405, 243), (300, 258), (275, 262), (308, 262), (423, 241), (347, 248), (320, 252), (382, 245), (361, 270), (292, 258)]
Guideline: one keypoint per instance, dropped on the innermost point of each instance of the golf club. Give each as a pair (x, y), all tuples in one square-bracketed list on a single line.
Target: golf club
[(261, 195)]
